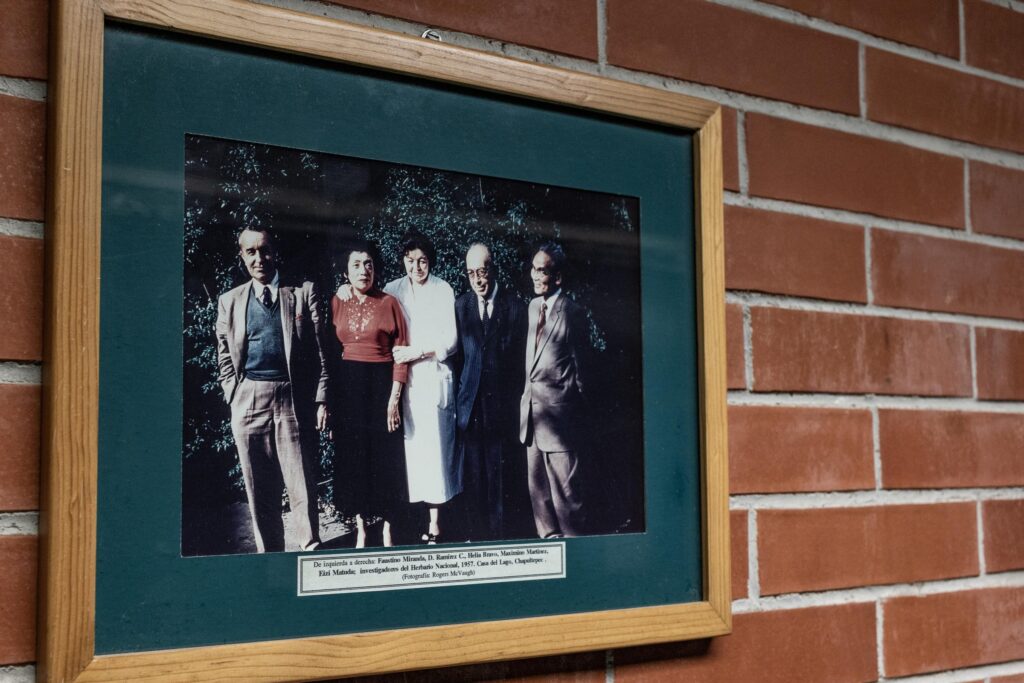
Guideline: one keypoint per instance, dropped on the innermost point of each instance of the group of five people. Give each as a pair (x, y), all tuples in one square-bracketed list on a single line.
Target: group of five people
[(426, 397)]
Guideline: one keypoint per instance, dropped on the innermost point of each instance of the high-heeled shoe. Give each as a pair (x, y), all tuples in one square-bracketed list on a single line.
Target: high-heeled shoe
[(433, 534)]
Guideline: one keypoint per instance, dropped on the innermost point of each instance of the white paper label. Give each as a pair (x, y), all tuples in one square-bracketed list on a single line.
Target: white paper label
[(400, 569)]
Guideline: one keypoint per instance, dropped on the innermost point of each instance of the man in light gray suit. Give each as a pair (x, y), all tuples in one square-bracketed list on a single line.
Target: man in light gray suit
[(273, 369), (552, 409)]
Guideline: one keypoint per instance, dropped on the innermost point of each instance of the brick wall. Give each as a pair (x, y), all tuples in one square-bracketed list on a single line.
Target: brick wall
[(875, 265)]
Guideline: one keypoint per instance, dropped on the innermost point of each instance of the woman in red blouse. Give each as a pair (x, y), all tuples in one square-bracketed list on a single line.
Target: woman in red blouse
[(369, 457)]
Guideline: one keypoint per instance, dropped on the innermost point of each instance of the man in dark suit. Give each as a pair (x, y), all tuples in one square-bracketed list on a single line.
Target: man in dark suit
[(491, 322), (273, 369), (552, 410)]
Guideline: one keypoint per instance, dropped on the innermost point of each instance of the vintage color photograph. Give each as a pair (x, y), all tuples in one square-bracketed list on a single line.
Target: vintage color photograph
[(379, 354)]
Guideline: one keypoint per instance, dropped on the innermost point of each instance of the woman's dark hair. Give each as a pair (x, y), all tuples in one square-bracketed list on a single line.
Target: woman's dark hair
[(413, 240), (356, 246)]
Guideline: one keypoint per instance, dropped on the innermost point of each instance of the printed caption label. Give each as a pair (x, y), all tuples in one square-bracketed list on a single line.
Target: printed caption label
[(400, 569)]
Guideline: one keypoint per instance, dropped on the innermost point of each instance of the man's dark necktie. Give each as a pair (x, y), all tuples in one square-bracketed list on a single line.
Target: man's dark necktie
[(267, 301), (485, 318), (541, 319)]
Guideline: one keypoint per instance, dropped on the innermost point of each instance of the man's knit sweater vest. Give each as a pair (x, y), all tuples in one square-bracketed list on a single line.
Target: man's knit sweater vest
[(264, 359)]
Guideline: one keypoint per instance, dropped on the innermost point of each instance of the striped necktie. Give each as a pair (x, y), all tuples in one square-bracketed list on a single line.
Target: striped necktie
[(541, 319)]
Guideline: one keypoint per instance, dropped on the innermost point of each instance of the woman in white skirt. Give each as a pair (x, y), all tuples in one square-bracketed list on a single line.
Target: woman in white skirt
[(428, 402)]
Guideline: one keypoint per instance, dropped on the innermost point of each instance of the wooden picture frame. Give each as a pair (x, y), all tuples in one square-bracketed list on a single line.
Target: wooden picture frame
[(68, 528)]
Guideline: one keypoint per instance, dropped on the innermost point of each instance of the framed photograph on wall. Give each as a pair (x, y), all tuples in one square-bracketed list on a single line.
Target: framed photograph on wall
[(360, 343)]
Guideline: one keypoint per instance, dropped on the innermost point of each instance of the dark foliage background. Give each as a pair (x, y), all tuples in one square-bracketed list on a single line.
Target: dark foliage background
[(313, 203)]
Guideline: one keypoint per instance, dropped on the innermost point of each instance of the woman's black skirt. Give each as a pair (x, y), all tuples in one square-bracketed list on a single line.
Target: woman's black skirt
[(369, 461)]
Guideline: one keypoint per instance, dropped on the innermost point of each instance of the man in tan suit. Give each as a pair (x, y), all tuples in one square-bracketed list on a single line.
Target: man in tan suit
[(273, 369), (552, 409)]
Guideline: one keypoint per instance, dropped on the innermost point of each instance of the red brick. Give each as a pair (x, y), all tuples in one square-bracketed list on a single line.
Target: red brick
[(953, 630), (855, 354), (835, 643), (935, 274), (730, 147), (815, 550), (994, 37), (567, 26), (997, 200), (1004, 534), (821, 166), (586, 667), (939, 449), (21, 307), (23, 130), (929, 24), (1017, 678), (18, 563), (767, 251), (699, 41), (19, 458), (1000, 363), (914, 94), (776, 450), (736, 371), (738, 540), (23, 35)]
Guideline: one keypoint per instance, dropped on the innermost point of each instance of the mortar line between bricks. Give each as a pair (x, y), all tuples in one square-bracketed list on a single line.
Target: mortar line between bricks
[(982, 567), (879, 637), (13, 372), (795, 303), (870, 220), (15, 227), (753, 558), (962, 31), (753, 103), (748, 349), (966, 675), (973, 339), (869, 285), (921, 54), (822, 500), (741, 152), (862, 85), (866, 594), (783, 399), (19, 523), (18, 674), (609, 666), (602, 34), (876, 447), (968, 223), (23, 88)]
